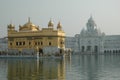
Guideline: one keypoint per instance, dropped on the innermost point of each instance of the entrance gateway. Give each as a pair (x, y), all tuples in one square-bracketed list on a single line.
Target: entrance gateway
[(89, 49)]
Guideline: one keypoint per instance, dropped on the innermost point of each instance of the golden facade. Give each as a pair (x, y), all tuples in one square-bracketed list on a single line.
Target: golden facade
[(30, 36)]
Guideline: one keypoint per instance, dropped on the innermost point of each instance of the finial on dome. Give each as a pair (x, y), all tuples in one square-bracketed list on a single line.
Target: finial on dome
[(11, 25), (10, 21), (91, 18), (59, 26), (28, 19), (50, 24), (90, 15)]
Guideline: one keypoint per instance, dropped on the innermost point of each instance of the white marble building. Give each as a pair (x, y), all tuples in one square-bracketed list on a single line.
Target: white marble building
[(92, 40), (112, 44)]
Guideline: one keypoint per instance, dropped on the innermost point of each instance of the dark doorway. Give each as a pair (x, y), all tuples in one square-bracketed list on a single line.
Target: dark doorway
[(61, 51), (96, 49), (83, 48), (88, 48), (40, 51)]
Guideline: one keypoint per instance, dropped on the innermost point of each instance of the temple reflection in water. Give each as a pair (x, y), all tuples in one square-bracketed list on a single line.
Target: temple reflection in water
[(36, 69)]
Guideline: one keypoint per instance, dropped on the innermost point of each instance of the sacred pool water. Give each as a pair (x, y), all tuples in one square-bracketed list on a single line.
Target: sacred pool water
[(76, 67)]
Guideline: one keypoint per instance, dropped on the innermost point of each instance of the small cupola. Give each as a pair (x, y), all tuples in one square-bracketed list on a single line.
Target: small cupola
[(11, 27), (50, 24), (59, 26)]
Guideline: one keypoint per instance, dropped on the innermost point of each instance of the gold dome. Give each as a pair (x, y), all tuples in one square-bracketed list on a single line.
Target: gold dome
[(50, 24), (29, 26)]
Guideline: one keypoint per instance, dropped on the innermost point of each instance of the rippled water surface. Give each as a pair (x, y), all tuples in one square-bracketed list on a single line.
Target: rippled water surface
[(78, 67)]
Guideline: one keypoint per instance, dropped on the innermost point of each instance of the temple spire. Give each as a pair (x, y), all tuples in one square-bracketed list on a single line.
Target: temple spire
[(90, 15), (91, 18), (29, 19)]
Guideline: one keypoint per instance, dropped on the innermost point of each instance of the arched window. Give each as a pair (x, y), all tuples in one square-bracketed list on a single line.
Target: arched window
[(17, 43), (41, 43), (49, 43), (24, 43), (105, 51), (10, 44), (29, 43), (20, 43)]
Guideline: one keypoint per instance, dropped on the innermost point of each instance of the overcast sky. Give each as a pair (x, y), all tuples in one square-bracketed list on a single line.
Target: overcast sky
[(73, 14)]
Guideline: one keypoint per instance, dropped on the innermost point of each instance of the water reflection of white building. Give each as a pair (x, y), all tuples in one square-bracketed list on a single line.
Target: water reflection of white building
[(92, 40)]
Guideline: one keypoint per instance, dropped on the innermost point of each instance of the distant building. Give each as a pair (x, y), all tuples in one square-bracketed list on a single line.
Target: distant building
[(111, 44), (70, 43), (30, 38), (3, 45), (92, 40)]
